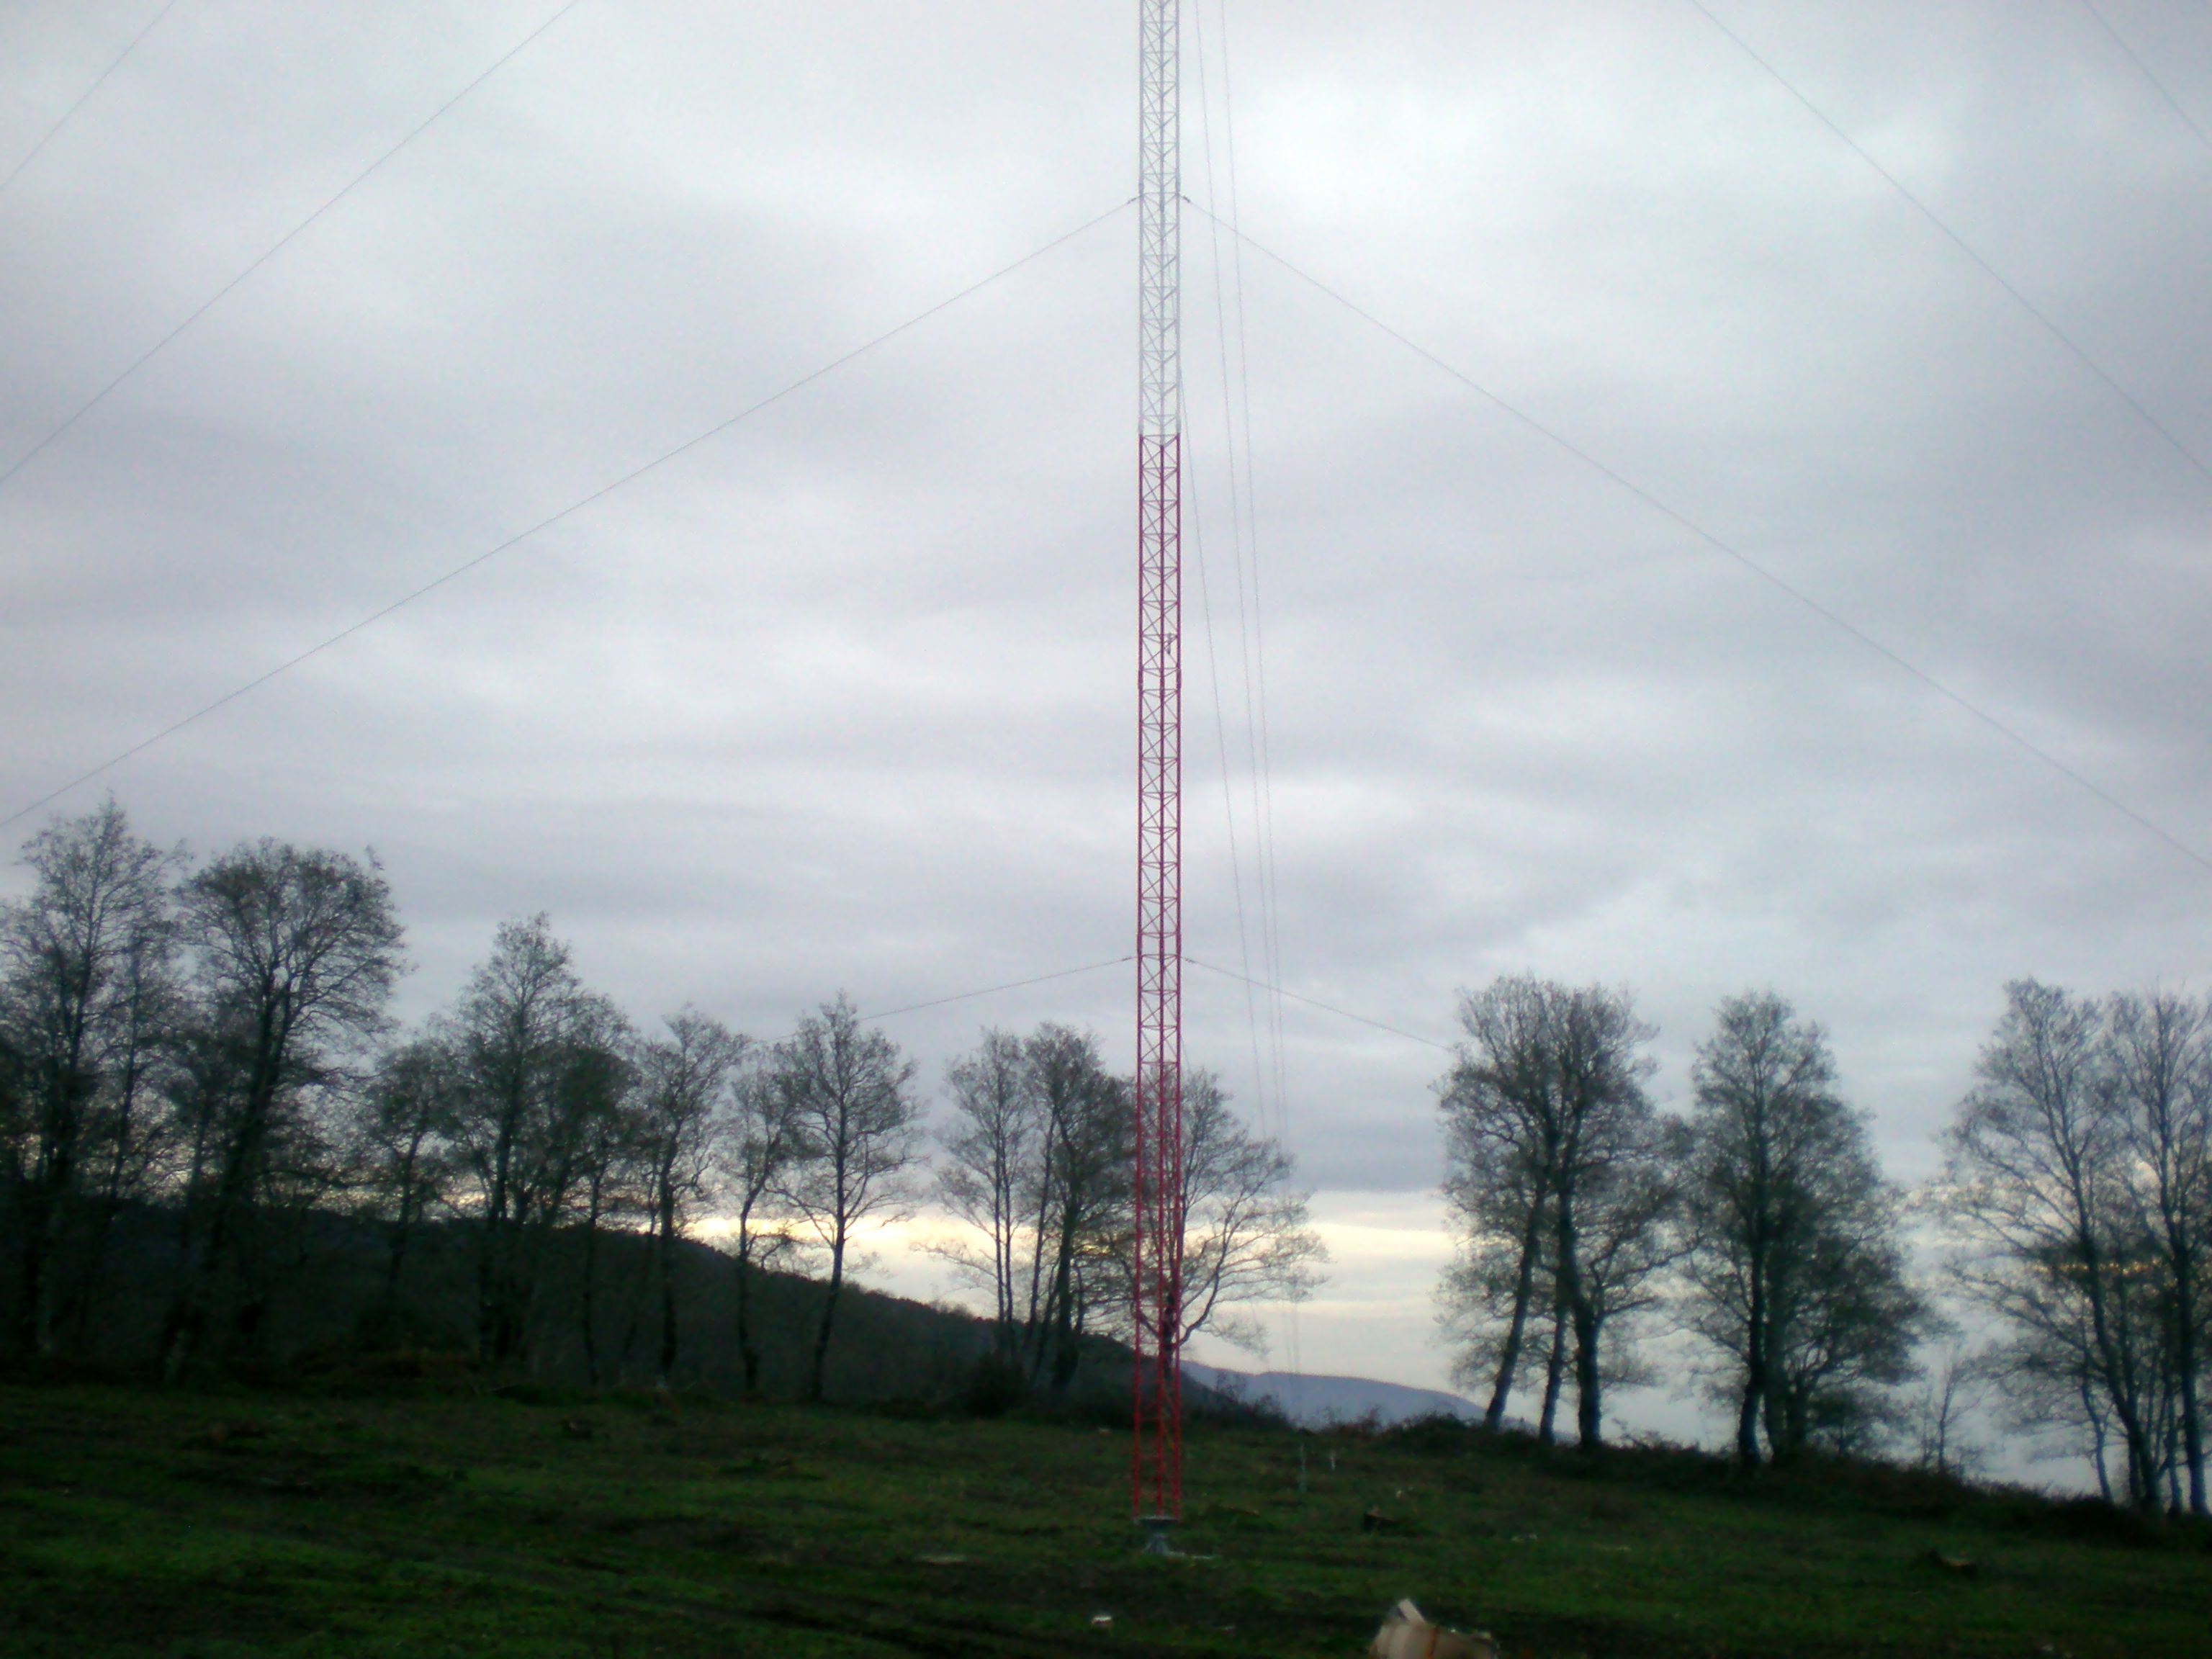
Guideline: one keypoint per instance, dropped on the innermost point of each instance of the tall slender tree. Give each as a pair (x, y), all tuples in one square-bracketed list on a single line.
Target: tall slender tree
[(685, 1080), (756, 1147), (1545, 1123), (1082, 1193), (294, 952), (1793, 1259), (609, 1179), (85, 960), (993, 1148), (136, 1136), (2077, 1184), (535, 1057), (1038, 1168), (403, 1155), (1246, 1237), (2158, 1057), (847, 1094)]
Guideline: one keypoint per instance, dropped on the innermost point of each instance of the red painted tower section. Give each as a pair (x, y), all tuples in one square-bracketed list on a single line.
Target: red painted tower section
[(1156, 1482)]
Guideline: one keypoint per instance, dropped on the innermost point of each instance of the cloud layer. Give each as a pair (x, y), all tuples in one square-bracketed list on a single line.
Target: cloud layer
[(840, 698)]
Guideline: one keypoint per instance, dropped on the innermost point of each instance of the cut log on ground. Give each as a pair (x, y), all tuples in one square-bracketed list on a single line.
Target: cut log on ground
[(1406, 1635)]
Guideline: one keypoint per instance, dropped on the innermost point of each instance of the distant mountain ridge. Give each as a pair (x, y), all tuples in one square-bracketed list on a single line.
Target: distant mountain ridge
[(1313, 1402)]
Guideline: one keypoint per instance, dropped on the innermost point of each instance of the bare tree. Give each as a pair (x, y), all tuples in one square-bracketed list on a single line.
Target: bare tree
[(1499, 1283), (610, 1179), (1038, 1167), (684, 1101), (2158, 1056), (994, 1150), (1547, 1129), (136, 1136), (847, 1094), (84, 964), (1793, 1261), (755, 1148), (2031, 1188), (1246, 1238), (1627, 1241), (1850, 1333), (1082, 1195), (536, 1059), (1500, 1146), (295, 951), (1625, 1248), (1955, 1388), (403, 1155), (2077, 1183)]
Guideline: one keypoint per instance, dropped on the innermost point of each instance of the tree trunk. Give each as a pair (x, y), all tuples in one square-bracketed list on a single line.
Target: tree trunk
[(1002, 1250), (2118, 1374), (1555, 1371), (403, 1229), (1067, 1352), (234, 1187), (2186, 1305), (1589, 1382), (1755, 1365), (828, 1316), (43, 1204), (1061, 1306), (502, 1222), (1788, 1427), (187, 1242), (30, 1270), (2098, 1436), (1037, 1318), (487, 1291), (748, 1356), (590, 1298), (1524, 1284), (665, 1244), (110, 1205), (1574, 1298)]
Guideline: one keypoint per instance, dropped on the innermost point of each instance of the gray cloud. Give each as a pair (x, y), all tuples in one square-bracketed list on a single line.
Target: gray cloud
[(840, 698)]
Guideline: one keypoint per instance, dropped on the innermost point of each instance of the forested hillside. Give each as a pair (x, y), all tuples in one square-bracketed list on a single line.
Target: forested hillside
[(220, 1155)]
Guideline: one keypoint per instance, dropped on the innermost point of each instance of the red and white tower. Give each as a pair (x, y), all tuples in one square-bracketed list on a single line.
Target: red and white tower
[(1156, 1472)]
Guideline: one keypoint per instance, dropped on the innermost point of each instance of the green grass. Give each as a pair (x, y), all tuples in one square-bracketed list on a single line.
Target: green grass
[(219, 1524)]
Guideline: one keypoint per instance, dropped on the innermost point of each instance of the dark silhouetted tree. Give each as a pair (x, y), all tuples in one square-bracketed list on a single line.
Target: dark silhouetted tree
[(846, 1094), (1550, 1171), (2157, 1058), (1246, 1237), (537, 1069), (294, 951), (993, 1157), (755, 1150), (87, 988), (403, 1157), (1080, 1194), (2078, 1183), (683, 1112), (1794, 1259)]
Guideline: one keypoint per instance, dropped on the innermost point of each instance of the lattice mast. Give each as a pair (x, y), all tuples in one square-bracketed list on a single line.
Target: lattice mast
[(1156, 1470)]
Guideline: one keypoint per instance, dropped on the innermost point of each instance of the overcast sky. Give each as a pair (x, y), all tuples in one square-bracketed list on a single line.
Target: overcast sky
[(841, 698)]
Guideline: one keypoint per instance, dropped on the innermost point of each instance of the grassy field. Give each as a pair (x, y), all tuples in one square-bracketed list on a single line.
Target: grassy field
[(459, 1523)]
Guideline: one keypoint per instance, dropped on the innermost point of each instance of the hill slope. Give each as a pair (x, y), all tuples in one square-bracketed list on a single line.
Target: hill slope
[(378, 1526)]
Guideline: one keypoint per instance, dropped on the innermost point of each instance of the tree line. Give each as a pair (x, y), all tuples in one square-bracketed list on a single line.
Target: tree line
[(198, 1067), (2073, 1217), (207, 1053)]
